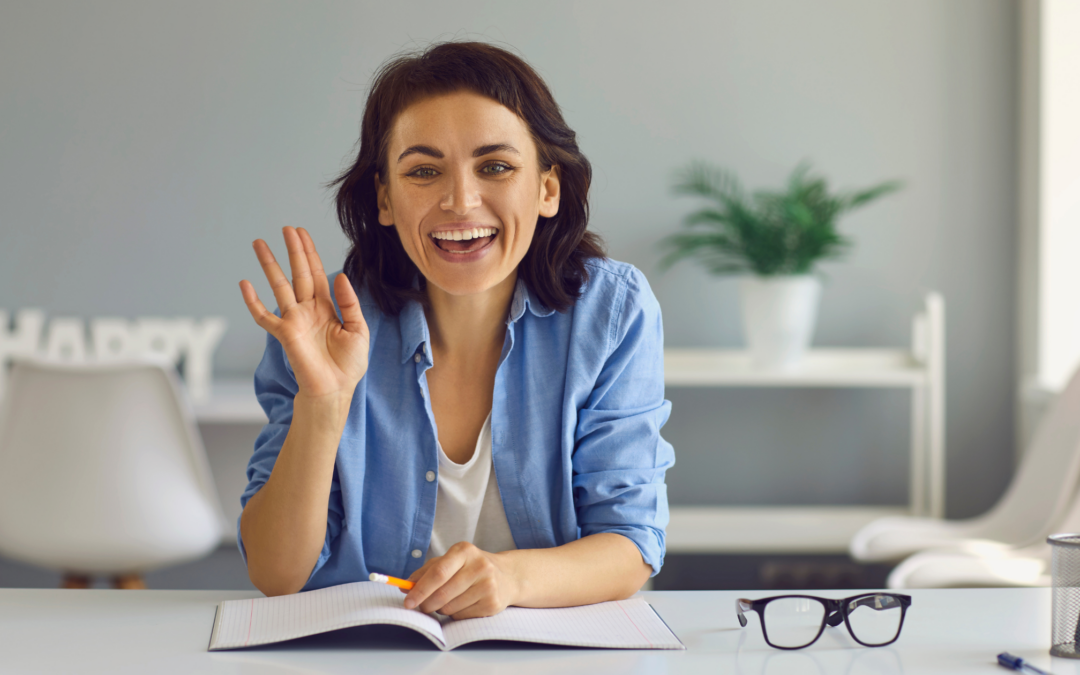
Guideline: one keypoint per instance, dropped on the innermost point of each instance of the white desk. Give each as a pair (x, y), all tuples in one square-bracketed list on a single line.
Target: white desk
[(946, 631)]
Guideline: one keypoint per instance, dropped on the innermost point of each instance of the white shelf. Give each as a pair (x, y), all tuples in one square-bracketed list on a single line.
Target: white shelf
[(827, 529), (819, 368), (232, 401), (769, 529)]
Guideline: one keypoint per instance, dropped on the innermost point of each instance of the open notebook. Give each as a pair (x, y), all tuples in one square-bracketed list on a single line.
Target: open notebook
[(624, 624)]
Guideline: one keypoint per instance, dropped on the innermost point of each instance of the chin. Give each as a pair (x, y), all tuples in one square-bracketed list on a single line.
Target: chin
[(462, 285)]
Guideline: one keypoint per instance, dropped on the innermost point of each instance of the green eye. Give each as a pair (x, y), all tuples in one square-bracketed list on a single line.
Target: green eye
[(423, 172), (495, 169)]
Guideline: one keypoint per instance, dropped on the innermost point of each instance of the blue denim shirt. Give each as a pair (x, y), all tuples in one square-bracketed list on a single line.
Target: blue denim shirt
[(575, 430)]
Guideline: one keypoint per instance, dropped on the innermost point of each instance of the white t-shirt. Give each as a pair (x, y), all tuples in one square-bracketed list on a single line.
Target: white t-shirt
[(468, 506)]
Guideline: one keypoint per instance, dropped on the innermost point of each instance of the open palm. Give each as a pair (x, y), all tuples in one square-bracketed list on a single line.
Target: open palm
[(328, 355)]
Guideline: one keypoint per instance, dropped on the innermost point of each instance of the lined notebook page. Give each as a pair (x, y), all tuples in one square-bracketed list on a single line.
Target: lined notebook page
[(245, 623), (624, 624)]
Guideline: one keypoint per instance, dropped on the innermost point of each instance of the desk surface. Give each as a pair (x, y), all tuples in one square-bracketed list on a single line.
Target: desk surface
[(100, 631)]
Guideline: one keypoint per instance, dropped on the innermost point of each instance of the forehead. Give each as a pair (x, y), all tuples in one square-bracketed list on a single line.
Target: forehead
[(459, 121)]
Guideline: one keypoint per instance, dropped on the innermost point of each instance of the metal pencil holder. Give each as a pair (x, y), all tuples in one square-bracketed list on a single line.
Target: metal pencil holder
[(1065, 573)]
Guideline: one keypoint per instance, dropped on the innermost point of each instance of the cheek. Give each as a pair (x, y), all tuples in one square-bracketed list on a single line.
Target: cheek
[(526, 214)]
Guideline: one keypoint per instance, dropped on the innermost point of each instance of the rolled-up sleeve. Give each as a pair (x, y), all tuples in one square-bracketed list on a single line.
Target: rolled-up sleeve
[(275, 388), (619, 458)]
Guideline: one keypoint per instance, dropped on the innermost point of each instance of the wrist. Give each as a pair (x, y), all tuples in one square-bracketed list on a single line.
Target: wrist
[(514, 572), (329, 411)]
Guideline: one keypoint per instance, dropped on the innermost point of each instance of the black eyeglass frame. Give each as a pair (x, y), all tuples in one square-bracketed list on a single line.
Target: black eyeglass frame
[(836, 612)]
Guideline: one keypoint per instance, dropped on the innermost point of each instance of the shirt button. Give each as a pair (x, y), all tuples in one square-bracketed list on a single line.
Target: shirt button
[(430, 475), (416, 553), (416, 358)]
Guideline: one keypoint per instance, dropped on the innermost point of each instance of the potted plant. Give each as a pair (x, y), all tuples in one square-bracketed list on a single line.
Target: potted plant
[(775, 239)]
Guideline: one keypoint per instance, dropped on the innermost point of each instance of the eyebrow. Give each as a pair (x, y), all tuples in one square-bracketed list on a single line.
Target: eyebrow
[(479, 152), (421, 150), (495, 147)]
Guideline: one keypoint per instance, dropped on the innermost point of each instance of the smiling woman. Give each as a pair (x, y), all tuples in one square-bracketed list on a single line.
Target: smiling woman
[(449, 179), (476, 401)]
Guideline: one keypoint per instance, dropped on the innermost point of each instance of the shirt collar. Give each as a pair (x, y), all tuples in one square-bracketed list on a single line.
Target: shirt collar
[(414, 328), (523, 299)]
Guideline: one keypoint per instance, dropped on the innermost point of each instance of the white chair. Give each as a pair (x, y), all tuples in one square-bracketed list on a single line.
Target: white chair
[(975, 564), (103, 472), (981, 563), (1033, 506)]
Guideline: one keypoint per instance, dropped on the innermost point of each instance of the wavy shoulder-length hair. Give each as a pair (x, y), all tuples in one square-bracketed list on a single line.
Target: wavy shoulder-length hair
[(554, 266)]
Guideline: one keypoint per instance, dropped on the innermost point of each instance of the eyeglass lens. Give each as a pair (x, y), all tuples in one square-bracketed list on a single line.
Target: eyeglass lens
[(793, 622), (874, 619)]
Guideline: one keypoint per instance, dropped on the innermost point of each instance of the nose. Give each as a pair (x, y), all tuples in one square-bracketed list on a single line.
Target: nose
[(463, 194)]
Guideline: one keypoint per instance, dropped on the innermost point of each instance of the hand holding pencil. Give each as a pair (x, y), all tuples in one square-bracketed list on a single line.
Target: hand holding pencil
[(465, 583)]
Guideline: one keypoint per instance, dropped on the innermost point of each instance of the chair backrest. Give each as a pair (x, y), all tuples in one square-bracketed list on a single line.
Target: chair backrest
[(102, 469), (1046, 482)]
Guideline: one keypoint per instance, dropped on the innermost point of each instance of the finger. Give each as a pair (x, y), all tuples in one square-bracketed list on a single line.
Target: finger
[(318, 273), (303, 286), (351, 316), (481, 608), (463, 589), (415, 576), (283, 291), (432, 582), (266, 319), (475, 598)]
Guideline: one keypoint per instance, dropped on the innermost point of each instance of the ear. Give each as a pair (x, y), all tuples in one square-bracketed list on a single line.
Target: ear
[(382, 197), (549, 192)]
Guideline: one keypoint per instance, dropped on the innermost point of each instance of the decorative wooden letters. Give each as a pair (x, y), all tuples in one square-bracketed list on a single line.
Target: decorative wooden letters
[(181, 340)]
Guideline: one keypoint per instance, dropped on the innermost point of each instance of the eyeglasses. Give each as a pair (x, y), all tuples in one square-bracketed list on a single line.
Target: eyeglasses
[(797, 621)]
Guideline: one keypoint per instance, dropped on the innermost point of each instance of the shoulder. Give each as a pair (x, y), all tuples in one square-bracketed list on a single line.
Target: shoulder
[(617, 283), (617, 294)]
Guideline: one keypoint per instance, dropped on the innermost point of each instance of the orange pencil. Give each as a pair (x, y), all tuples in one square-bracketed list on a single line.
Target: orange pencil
[(393, 581)]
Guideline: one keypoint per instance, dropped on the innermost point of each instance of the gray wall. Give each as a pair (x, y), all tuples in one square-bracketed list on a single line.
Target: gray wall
[(144, 145)]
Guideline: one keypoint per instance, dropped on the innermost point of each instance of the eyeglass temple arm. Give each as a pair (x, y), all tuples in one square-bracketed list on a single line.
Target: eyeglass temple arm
[(876, 602)]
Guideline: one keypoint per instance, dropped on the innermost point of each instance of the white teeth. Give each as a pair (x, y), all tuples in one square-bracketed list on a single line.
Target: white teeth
[(464, 235)]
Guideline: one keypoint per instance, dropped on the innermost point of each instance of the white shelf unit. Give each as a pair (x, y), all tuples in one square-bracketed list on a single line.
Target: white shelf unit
[(231, 401), (823, 529), (817, 529)]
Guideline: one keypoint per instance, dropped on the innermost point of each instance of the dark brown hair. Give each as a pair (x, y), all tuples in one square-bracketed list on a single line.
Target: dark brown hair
[(554, 267)]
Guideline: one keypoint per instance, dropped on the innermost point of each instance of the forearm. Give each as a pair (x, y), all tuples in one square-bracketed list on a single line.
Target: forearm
[(283, 525), (595, 568)]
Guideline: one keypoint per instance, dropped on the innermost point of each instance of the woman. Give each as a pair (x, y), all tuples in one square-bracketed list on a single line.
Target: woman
[(484, 417)]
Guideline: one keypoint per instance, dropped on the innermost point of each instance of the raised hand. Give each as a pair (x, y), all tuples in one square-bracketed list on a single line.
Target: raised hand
[(328, 356)]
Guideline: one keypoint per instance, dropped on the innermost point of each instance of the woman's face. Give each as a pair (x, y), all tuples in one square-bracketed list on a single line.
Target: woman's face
[(464, 190)]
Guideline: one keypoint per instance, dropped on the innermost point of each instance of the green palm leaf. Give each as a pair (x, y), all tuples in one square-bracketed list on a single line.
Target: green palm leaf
[(766, 233)]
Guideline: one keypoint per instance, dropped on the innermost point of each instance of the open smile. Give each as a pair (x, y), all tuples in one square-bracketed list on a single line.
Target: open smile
[(464, 241)]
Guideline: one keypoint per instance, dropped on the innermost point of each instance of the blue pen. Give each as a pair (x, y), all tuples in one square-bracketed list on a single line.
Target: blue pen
[(1016, 663)]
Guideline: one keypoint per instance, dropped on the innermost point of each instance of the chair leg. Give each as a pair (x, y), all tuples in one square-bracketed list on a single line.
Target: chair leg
[(75, 581), (129, 582)]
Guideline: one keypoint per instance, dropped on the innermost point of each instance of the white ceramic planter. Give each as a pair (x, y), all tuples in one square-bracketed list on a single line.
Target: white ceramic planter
[(779, 314)]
